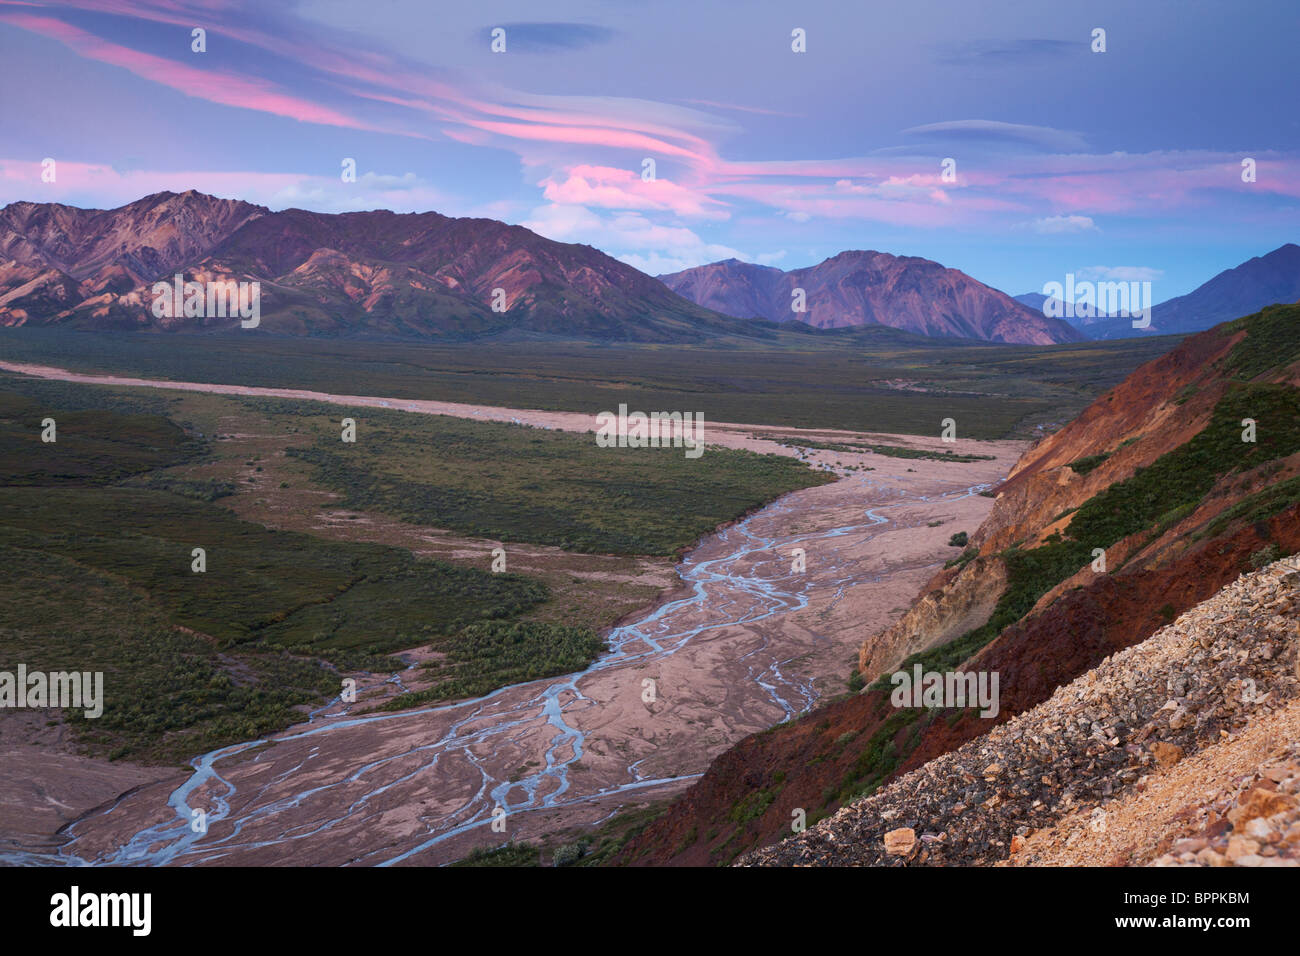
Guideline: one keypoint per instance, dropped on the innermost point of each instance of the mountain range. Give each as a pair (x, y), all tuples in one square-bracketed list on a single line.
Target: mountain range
[(362, 273), (429, 276), (871, 288)]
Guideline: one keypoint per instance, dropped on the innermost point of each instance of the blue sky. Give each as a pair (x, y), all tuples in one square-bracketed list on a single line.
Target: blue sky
[(1123, 164)]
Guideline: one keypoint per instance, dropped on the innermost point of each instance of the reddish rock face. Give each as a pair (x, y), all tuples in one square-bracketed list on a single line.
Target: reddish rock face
[(872, 288), (376, 273)]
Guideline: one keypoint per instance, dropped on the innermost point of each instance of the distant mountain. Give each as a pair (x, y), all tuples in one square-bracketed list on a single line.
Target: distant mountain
[(362, 273), (868, 288), (1270, 279), (1036, 301)]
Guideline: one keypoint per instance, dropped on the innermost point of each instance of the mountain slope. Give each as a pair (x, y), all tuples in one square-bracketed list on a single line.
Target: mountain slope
[(1264, 280), (1154, 476), (872, 288), (363, 273)]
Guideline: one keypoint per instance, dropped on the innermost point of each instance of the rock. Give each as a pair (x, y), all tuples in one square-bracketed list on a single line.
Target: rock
[(1017, 844), (900, 842), (1208, 857), (1260, 829), (1258, 803), (1166, 754), (1239, 846)]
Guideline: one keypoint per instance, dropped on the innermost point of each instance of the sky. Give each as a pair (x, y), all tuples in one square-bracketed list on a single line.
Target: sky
[(991, 137)]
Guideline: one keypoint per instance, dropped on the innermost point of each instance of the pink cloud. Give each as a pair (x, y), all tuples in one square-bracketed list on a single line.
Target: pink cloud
[(614, 188), (585, 136), (217, 86), (555, 137)]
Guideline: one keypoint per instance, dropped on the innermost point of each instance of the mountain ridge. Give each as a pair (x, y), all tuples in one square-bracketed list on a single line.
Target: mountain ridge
[(866, 287), (358, 273)]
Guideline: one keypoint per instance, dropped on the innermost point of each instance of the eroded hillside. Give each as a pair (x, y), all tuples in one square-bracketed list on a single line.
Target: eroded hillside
[(1155, 497)]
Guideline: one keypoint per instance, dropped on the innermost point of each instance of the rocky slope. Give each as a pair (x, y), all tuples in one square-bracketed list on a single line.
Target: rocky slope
[(1206, 678), (372, 273), (1235, 802), (871, 288), (1145, 505)]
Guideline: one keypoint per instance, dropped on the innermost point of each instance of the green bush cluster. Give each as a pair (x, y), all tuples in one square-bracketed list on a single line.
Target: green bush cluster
[(512, 854), (1087, 463), (514, 483), (485, 656)]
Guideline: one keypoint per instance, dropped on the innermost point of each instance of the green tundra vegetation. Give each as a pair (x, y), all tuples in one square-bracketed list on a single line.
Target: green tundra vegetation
[(1087, 463), (90, 447), (892, 451), (872, 379), (99, 577), (1271, 341), (98, 529), (276, 589), (491, 654), (512, 854), (168, 693), (516, 483)]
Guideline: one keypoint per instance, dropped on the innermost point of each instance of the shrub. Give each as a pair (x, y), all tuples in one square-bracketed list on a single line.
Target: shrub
[(1265, 556), (1088, 463), (569, 854)]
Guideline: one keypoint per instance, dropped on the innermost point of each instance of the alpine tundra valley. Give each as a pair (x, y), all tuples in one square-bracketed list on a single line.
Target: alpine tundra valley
[(741, 467)]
